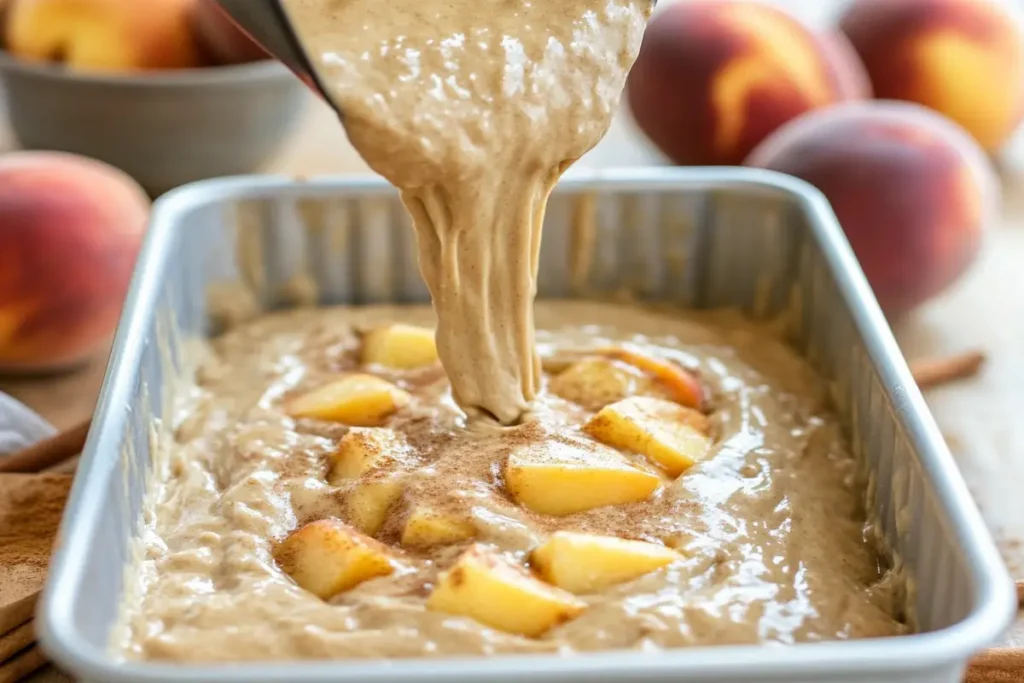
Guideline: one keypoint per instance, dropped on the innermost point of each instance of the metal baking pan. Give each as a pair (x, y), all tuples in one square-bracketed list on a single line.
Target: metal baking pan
[(762, 242)]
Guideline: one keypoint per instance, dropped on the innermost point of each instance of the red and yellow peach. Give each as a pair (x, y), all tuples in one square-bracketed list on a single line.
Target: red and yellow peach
[(70, 230), (715, 77), (107, 35), (962, 58), (912, 191)]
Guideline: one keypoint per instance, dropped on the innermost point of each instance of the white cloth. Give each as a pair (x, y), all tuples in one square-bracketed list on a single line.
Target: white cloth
[(20, 426)]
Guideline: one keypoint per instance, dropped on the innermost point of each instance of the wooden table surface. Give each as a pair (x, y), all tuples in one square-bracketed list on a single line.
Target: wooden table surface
[(980, 417)]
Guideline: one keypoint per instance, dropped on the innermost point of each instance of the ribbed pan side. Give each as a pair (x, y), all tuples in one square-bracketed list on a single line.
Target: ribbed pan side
[(706, 241)]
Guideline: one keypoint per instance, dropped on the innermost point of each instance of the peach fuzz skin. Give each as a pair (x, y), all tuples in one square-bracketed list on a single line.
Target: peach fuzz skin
[(912, 191), (103, 35), (70, 230), (962, 58), (715, 77)]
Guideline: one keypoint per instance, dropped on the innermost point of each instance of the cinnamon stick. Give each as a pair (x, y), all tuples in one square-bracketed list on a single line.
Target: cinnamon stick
[(17, 640), (21, 665), (933, 372), (48, 452)]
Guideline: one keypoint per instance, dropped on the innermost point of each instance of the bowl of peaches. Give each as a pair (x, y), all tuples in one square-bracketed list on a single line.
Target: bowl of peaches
[(169, 91)]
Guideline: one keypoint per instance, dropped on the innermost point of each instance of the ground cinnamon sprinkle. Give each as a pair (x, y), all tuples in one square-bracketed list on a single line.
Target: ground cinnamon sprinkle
[(31, 506)]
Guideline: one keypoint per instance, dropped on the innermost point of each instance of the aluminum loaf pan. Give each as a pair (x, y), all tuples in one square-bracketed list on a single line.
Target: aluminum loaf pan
[(702, 238)]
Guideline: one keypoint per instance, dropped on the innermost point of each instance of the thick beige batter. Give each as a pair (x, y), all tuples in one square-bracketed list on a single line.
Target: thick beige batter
[(771, 526), (473, 109)]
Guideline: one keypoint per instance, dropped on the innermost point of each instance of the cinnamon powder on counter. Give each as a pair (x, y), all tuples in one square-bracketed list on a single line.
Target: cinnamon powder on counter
[(31, 506)]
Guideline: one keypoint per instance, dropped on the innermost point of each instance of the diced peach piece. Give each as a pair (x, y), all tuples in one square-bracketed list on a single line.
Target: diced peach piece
[(558, 479), (363, 449), (595, 382), (684, 387), (485, 587), (587, 563), (368, 503), (427, 527), (399, 346), (358, 400), (670, 435), (327, 557)]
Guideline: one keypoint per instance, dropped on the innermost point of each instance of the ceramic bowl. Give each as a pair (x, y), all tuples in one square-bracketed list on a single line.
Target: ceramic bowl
[(164, 128)]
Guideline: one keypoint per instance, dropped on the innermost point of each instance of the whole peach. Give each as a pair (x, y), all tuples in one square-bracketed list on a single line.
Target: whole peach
[(714, 77), (104, 35), (962, 58), (911, 189), (70, 230)]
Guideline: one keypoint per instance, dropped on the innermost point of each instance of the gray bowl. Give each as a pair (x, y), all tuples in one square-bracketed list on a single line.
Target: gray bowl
[(164, 128)]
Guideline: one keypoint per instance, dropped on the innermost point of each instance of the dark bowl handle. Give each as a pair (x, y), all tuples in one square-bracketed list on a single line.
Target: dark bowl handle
[(266, 22)]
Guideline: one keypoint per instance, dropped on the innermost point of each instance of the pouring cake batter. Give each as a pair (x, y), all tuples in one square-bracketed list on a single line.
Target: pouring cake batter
[(341, 485)]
